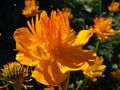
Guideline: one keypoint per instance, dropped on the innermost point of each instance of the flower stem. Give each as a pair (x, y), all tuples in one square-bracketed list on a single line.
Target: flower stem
[(17, 86), (97, 46), (84, 83), (5, 86), (79, 85), (67, 82), (100, 7), (113, 0)]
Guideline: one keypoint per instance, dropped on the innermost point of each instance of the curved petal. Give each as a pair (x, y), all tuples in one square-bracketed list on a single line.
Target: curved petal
[(48, 73), (26, 60), (65, 69), (38, 52), (95, 70), (23, 39), (74, 58), (83, 37)]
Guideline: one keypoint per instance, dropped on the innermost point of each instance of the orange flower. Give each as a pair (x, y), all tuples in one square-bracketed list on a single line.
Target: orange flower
[(116, 74), (103, 28), (51, 46), (67, 11), (31, 8), (114, 7), (95, 70)]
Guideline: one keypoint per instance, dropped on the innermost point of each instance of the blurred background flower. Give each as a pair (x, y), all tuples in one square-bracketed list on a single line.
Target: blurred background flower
[(114, 7), (31, 8), (116, 74)]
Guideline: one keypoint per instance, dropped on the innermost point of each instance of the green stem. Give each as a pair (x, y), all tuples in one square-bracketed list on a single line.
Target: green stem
[(79, 85), (5, 85), (84, 83), (97, 46), (17, 86), (100, 7), (113, 0), (67, 82)]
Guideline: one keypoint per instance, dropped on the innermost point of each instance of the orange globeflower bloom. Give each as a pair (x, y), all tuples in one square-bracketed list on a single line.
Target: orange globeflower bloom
[(114, 7), (31, 8), (51, 46), (103, 28), (95, 70), (116, 74)]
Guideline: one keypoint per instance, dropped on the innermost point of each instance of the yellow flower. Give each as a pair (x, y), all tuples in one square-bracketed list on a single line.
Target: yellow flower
[(103, 28), (31, 8), (51, 46), (114, 7), (116, 74), (95, 70)]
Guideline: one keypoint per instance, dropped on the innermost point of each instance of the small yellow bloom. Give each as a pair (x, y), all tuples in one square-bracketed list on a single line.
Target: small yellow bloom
[(116, 74), (31, 8), (95, 70), (52, 46), (114, 7), (103, 28)]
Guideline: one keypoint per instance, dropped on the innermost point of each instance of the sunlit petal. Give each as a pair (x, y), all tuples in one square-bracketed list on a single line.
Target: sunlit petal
[(25, 60), (48, 73), (83, 37)]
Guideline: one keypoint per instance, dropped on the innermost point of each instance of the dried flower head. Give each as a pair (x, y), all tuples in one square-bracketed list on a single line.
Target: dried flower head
[(14, 72)]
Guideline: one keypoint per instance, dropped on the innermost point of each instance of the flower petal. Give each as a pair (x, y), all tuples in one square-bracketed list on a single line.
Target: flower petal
[(74, 58), (48, 73), (25, 60), (23, 39), (83, 37), (65, 69)]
